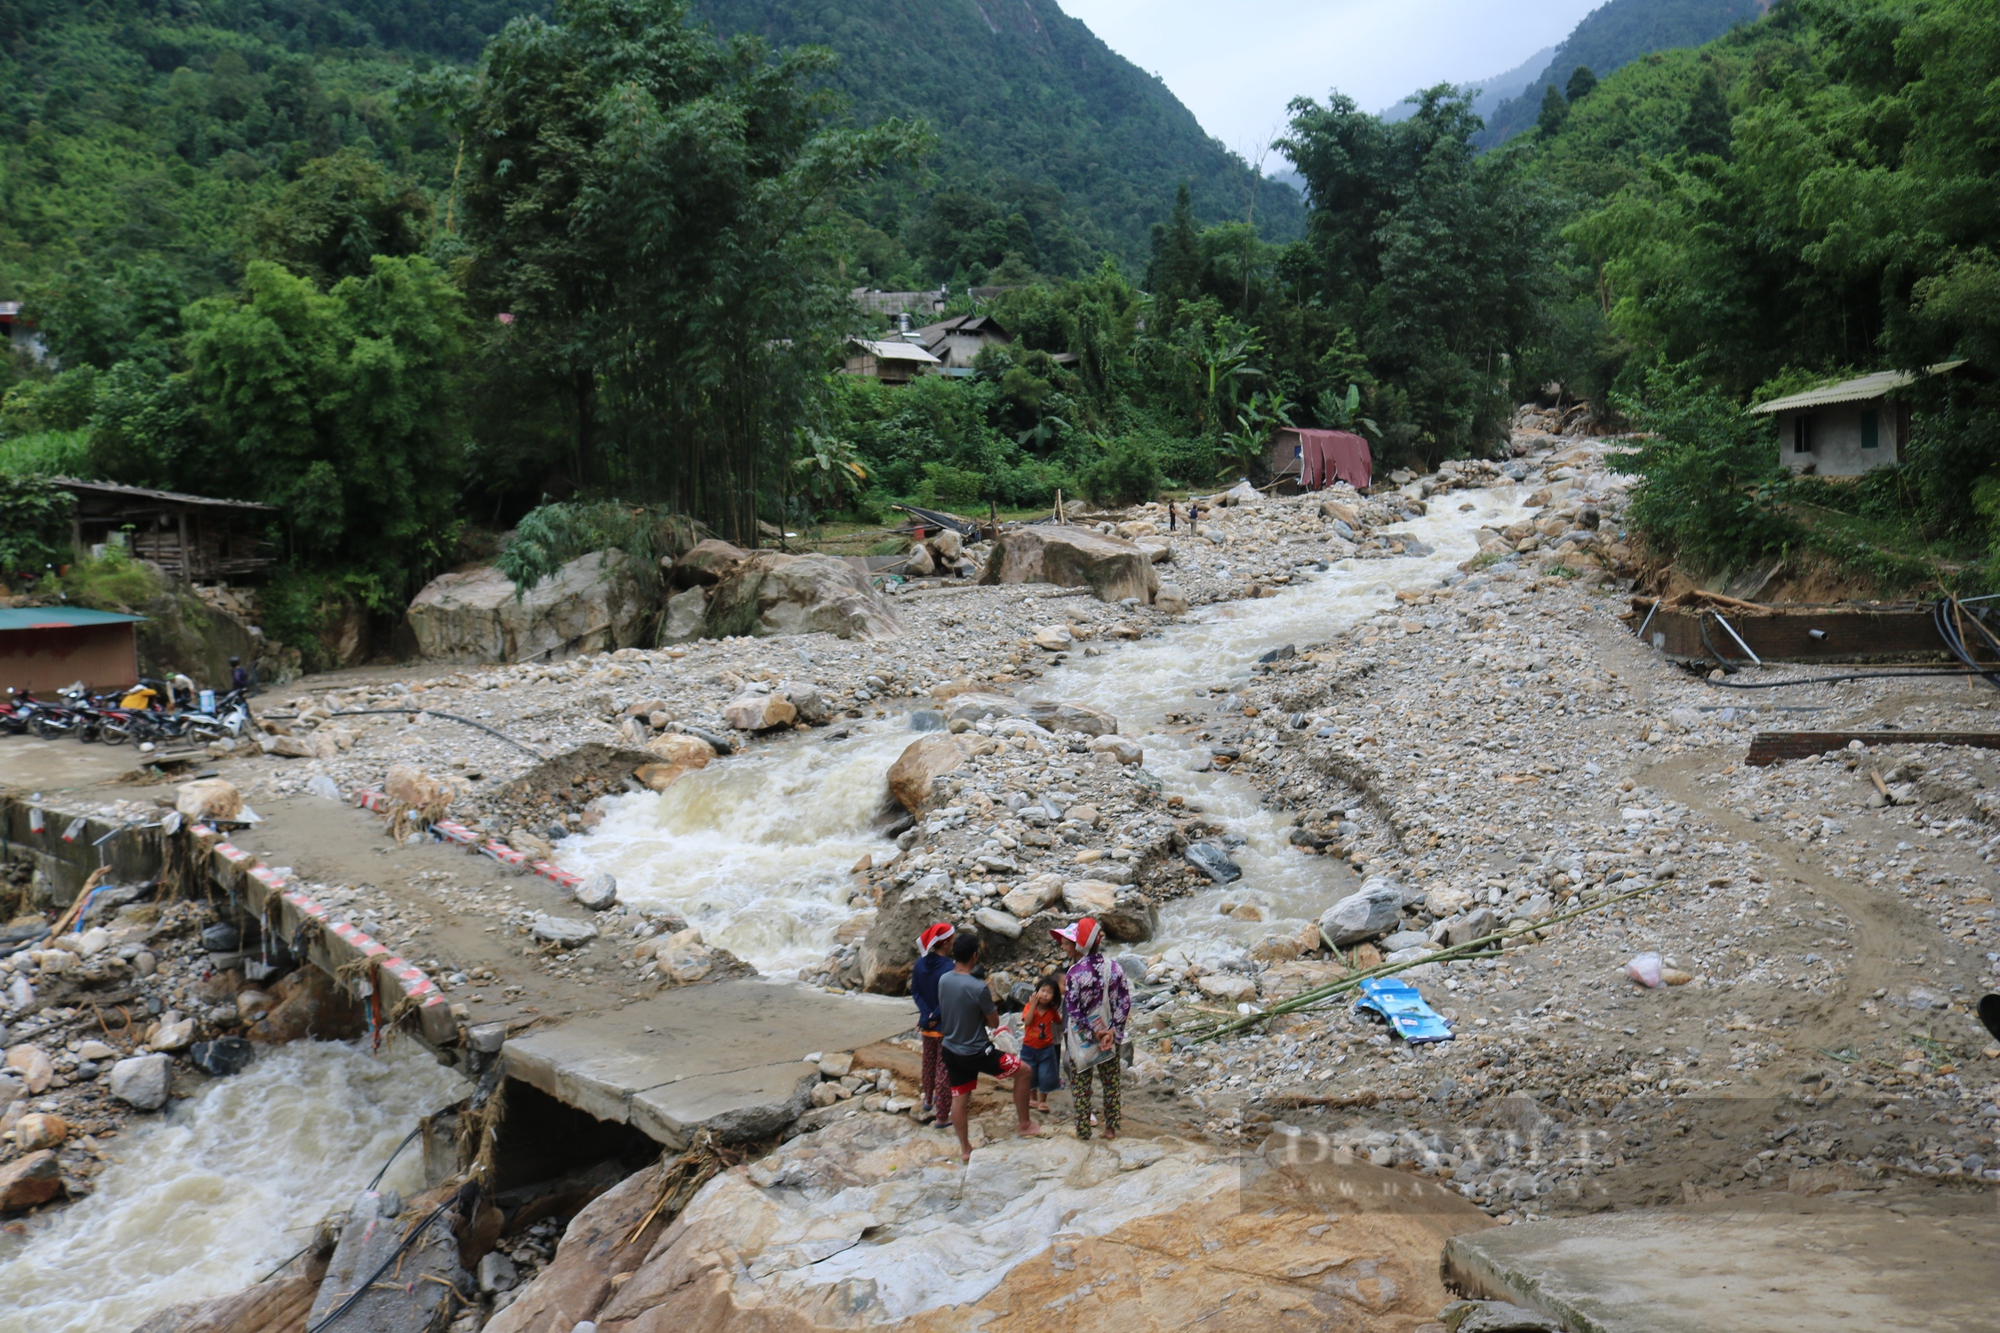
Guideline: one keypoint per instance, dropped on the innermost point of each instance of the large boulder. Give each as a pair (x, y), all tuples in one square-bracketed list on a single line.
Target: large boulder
[(679, 755), (771, 593), (30, 1180), (687, 612), (589, 605), (759, 712), (1074, 557), (926, 759), (1050, 714), (1371, 911), (707, 563), (142, 1081)]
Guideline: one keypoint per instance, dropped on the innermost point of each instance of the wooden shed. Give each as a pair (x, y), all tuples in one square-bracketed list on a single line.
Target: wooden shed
[(44, 648), (192, 537)]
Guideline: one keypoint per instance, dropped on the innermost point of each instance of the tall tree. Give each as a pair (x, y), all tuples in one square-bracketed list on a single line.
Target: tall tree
[(653, 216)]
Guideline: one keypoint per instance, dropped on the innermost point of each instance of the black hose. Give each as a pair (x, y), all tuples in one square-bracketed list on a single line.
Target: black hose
[(1701, 622), (412, 1138), (354, 1297), (1946, 623), (1827, 680), (449, 717)]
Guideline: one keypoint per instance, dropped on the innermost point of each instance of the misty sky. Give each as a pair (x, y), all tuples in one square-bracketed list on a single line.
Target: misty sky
[(1236, 64)]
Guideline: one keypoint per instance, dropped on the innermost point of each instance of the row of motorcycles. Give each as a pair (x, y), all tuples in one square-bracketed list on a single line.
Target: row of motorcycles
[(146, 713)]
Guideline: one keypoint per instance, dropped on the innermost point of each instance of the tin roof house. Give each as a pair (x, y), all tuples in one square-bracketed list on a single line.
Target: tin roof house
[(1846, 429)]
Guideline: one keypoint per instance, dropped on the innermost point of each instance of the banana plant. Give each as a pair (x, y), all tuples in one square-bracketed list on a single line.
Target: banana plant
[(1255, 421), (829, 471), (1339, 413)]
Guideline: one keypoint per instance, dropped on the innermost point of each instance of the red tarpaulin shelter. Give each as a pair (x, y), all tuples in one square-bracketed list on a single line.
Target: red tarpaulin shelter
[(1322, 457)]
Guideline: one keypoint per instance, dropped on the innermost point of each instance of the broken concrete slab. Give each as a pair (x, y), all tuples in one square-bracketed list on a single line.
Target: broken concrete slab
[(1779, 1268), (726, 1056)]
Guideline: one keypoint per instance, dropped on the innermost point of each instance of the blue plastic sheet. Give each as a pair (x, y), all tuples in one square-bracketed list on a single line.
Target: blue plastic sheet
[(1399, 1002)]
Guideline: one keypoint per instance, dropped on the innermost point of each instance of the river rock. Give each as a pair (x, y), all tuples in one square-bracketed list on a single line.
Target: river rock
[(1365, 914), (1170, 600), (1476, 924), (1131, 918), (1211, 860), (308, 1004), (1121, 748), (707, 563), (173, 1034), (813, 709), (208, 798), (1111, 567), (772, 593), (919, 563), (252, 1005), (679, 754), (589, 605), (1052, 638), (687, 612), (1227, 986), (598, 893), (1089, 897), (33, 1179), (223, 1056), (561, 931), (924, 760), (12, 1089), (1032, 896), (97, 1051), (36, 1131), (497, 1273), (759, 712), (32, 1063), (142, 1081), (998, 923)]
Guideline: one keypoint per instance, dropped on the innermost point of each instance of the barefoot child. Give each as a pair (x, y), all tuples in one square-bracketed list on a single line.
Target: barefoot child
[(969, 1015), (1040, 1020)]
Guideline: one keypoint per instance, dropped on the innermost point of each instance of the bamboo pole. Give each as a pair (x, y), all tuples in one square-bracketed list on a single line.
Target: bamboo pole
[(1306, 999)]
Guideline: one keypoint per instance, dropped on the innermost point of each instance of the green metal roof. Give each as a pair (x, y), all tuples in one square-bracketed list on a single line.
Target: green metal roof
[(58, 617)]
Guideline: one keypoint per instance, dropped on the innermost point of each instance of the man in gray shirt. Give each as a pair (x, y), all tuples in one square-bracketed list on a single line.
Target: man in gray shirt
[(966, 1013)]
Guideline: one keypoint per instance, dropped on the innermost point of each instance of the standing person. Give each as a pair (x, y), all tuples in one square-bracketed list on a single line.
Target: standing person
[(239, 675), (969, 1014), (933, 961), (1097, 1002), (1041, 1020), (1173, 515)]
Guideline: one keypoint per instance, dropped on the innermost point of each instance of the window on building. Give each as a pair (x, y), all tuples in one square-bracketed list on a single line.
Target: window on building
[(1802, 433), (1871, 425)]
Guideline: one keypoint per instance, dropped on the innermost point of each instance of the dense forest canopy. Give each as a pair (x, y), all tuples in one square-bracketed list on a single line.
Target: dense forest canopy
[(1609, 38), (409, 300)]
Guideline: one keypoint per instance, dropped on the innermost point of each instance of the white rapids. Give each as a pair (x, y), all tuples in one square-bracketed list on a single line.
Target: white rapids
[(757, 851), (208, 1198)]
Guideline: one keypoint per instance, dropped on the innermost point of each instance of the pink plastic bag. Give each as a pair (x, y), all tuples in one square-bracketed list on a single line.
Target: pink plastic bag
[(1645, 969)]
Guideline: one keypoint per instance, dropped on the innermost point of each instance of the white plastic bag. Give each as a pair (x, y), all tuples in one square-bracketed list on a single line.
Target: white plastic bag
[(1645, 969), (1006, 1040)]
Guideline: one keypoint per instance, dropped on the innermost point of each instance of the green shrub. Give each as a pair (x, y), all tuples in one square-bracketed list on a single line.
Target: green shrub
[(1127, 473), (549, 536), (48, 453), (1706, 472), (948, 487), (34, 524), (110, 582)]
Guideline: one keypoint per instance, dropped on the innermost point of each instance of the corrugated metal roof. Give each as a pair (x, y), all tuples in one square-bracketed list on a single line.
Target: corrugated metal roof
[(168, 497), (58, 617), (896, 351), (1855, 390)]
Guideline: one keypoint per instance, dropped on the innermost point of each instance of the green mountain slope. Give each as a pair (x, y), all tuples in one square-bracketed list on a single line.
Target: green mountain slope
[(1027, 102), (1613, 35), (146, 132)]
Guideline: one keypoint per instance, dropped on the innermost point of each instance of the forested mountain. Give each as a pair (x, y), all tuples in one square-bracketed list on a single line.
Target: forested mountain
[(1489, 93), (1051, 145), (145, 132), (1609, 37)]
